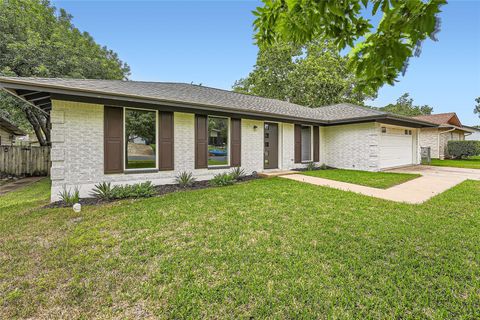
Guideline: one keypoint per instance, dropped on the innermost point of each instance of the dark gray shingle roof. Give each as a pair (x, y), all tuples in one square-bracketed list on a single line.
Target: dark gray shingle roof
[(195, 95), (344, 111)]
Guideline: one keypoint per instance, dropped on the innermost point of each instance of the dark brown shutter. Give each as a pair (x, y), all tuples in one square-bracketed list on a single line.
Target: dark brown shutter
[(113, 140), (316, 143), (236, 141), (298, 143), (165, 141), (201, 141)]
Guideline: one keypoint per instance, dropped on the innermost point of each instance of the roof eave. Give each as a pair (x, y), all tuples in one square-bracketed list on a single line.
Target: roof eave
[(142, 99), (383, 117)]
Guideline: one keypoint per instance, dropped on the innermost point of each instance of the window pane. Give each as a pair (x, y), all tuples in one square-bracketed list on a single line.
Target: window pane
[(140, 135), (306, 143), (217, 141)]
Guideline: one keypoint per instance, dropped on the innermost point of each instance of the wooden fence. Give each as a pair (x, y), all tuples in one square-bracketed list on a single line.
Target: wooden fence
[(24, 161)]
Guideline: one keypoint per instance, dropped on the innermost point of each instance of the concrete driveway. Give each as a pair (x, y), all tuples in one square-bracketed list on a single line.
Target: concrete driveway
[(434, 180)]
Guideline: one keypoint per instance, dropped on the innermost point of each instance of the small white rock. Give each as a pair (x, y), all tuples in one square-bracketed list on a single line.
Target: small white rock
[(77, 207)]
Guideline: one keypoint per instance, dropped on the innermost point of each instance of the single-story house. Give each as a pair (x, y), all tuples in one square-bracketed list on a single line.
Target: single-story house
[(475, 135), (448, 128), (128, 132), (8, 132)]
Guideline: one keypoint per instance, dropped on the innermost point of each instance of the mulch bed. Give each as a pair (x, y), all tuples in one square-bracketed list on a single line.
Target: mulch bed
[(160, 191)]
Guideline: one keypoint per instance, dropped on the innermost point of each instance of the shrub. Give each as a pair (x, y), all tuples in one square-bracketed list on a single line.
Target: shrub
[(311, 166), (138, 190), (237, 173), (323, 167), (68, 197), (143, 190), (185, 179), (222, 179), (462, 149), (103, 191)]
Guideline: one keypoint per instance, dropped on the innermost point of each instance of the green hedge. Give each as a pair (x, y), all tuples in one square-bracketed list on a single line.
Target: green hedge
[(462, 149)]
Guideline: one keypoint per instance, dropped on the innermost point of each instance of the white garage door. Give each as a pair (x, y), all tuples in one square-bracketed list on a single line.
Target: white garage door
[(396, 147)]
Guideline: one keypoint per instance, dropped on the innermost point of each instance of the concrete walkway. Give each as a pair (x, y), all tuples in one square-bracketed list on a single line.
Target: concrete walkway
[(434, 180), (18, 184)]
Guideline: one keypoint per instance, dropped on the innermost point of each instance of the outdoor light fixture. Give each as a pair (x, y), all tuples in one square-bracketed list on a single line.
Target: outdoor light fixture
[(255, 127)]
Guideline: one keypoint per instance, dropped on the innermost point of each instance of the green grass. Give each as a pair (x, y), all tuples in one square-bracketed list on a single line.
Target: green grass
[(269, 248), (382, 180), (213, 162), (471, 163), (141, 164)]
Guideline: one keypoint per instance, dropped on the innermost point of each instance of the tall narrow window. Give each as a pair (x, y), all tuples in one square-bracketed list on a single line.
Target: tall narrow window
[(306, 143), (140, 138), (217, 141)]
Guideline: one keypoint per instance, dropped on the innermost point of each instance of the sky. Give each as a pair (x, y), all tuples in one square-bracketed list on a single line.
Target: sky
[(211, 43)]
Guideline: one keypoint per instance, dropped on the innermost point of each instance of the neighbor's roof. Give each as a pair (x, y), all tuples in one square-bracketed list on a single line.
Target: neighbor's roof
[(10, 127), (195, 96), (449, 118)]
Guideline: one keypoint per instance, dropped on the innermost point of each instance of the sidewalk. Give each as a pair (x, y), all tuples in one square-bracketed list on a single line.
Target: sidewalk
[(416, 191), (18, 184)]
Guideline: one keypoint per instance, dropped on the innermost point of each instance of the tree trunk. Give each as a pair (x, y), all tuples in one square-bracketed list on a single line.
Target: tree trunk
[(36, 126), (44, 122)]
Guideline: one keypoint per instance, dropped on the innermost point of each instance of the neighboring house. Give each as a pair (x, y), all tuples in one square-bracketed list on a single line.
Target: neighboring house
[(449, 128), (475, 135), (202, 130), (8, 132)]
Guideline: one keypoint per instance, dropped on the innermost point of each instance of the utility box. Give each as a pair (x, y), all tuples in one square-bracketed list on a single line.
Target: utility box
[(425, 155)]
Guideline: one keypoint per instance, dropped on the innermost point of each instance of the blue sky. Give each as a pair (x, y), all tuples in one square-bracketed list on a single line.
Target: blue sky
[(210, 42)]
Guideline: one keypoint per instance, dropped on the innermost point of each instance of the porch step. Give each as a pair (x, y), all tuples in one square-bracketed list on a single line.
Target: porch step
[(276, 173)]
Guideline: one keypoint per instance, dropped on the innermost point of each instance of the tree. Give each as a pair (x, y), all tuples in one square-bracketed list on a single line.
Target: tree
[(36, 40), (379, 53), (313, 75), (404, 106), (140, 124), (477, 106)]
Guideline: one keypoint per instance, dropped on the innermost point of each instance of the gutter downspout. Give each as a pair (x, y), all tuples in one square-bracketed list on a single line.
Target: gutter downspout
[(443, 157)]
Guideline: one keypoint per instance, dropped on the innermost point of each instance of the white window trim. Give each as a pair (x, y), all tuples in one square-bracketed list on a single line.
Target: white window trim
[(229, 143), (157, 151)]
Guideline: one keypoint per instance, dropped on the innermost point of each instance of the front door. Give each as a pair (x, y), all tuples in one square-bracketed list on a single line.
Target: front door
[(270, 142)]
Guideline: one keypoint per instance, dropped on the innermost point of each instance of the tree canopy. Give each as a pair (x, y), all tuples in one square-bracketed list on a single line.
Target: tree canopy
[(379, 53), (404, 106), (476, 110), (38, 40), (312, 75)]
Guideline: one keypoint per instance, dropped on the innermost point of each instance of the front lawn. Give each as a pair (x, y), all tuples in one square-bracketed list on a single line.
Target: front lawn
[(268, 248), (382, 180), (471, 163)]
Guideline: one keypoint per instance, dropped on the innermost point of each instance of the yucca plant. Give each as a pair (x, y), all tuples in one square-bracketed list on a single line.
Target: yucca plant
[(185, 179), (138, 190), (237, 173), (221, 180), (69, 197), (103, 191), (311, 166)]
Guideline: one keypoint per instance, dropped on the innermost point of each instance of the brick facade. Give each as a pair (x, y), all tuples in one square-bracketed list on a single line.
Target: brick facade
[(437, 139), (77, 148)]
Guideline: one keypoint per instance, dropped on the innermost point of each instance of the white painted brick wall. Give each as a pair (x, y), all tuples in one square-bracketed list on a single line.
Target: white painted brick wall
[(77, 149), (287, 148), (352, 146), (428, 137)]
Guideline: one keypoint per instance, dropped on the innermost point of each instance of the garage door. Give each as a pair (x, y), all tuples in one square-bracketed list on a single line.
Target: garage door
[(396, 147)]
